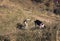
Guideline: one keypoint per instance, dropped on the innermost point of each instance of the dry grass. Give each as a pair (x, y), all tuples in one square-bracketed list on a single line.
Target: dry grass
[(13, 12)]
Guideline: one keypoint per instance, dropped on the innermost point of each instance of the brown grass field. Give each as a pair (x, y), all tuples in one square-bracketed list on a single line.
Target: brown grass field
[(15, 11)]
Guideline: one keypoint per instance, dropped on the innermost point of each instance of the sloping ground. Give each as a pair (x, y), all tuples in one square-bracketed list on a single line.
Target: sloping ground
[(13, 12)]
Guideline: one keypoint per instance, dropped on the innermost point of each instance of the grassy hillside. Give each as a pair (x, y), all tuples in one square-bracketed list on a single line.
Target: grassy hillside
[(15, 11)]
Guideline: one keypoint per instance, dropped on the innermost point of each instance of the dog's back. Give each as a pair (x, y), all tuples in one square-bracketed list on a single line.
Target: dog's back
[(37, 22)]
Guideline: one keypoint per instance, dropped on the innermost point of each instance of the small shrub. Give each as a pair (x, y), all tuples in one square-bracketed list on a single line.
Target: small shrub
[(37, 1), (56, 11)]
